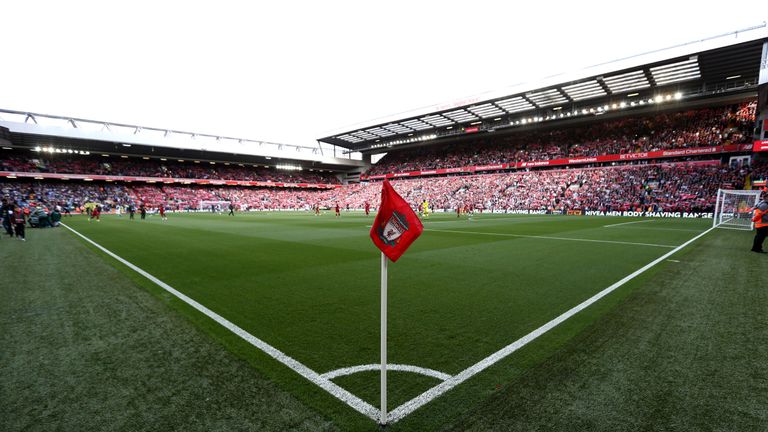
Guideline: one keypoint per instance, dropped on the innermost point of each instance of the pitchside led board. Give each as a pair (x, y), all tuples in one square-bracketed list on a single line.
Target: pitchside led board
[(761, 120), (761, 115)]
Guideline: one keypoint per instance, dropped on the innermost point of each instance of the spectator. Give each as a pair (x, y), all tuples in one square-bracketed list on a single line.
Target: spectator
[(680, 186), (697, 128)]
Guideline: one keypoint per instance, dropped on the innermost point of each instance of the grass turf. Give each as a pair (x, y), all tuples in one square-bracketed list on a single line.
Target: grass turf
[(685, 352), (83, 349), (309, 286)]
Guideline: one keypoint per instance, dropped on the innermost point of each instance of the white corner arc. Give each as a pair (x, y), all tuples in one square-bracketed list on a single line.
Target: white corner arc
[(390, 367)]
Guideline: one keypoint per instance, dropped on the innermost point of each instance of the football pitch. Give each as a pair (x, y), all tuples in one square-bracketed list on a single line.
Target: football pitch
[(490, 319)]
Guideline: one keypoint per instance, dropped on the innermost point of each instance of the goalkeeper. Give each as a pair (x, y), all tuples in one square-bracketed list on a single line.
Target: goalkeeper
[(760, 219)]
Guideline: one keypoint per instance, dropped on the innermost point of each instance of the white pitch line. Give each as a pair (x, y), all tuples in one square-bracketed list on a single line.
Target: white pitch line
[(627, 223), (551, 238), (663, 229), (353, 401), (390, 367), (730, 228), (521, 218), (426, 397)]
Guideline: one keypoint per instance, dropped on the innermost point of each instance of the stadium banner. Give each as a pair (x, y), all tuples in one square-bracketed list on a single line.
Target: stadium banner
[(621, 213), (760, 146), (672, 215), (165, 180), (659, 154)]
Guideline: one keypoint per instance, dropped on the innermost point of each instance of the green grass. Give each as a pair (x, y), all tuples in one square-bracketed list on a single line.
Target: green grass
[(84, 350), (685, 352), (309, 286)]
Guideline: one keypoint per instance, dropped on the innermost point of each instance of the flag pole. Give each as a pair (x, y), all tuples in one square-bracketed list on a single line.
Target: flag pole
[(383, 419)]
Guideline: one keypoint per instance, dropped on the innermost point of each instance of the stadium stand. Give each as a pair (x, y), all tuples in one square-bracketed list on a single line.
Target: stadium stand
[(667, 187), (704, 127), (77, 164), (678, 184), (681, 186)]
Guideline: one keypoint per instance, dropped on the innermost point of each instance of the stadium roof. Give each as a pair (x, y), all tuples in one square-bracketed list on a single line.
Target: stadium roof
[(727, 63), (33, 130)]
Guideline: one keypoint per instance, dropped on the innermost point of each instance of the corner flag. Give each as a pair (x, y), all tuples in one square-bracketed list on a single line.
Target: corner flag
[(396, 225)]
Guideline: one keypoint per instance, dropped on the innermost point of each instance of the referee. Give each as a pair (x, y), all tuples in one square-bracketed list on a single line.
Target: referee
[(761, 222)]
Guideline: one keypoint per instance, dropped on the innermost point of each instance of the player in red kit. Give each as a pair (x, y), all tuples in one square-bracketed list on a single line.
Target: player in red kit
[(162, 213), (317, 209), (338, 210), (17, 218), (96, 214), (367, 208)]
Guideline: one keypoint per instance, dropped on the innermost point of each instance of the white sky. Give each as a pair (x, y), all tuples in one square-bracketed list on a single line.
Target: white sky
[(291, 71)]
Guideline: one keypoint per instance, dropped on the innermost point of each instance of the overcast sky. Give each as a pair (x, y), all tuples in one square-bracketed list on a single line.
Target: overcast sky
[(291, 71)]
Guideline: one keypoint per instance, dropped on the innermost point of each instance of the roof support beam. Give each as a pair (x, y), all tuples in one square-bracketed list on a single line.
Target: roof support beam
[(603, 85)]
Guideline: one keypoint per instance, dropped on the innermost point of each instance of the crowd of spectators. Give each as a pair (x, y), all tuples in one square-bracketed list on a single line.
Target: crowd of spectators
[(704, 127), (660, 187), (759, 170), (695, 128), (679, 186), (69, 195), (66, 163)]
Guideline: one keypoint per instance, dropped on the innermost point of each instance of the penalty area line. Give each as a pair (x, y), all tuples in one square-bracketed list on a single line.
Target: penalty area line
[(326, 384), (429, 395)]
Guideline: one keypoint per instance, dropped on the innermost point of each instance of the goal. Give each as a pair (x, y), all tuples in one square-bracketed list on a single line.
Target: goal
[(733, 209), (214, 206)]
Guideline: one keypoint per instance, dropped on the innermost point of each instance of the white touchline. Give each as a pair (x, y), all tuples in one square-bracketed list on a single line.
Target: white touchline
[(353, 401), (424, 398), (390, 367), (550, 238), (627, 223)]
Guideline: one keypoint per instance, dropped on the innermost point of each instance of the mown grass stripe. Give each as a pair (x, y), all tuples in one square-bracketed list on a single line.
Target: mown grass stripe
[(426, 397), (551, 238), (324, 383)]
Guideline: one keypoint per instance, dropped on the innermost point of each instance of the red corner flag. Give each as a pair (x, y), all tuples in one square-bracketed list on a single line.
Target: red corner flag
[(396, 225)]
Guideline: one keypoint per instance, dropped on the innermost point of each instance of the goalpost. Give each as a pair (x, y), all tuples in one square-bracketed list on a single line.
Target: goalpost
[(733, 209), (218, 206)]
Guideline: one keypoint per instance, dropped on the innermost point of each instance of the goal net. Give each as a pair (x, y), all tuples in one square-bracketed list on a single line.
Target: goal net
[(214, 206), (733, 209)]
